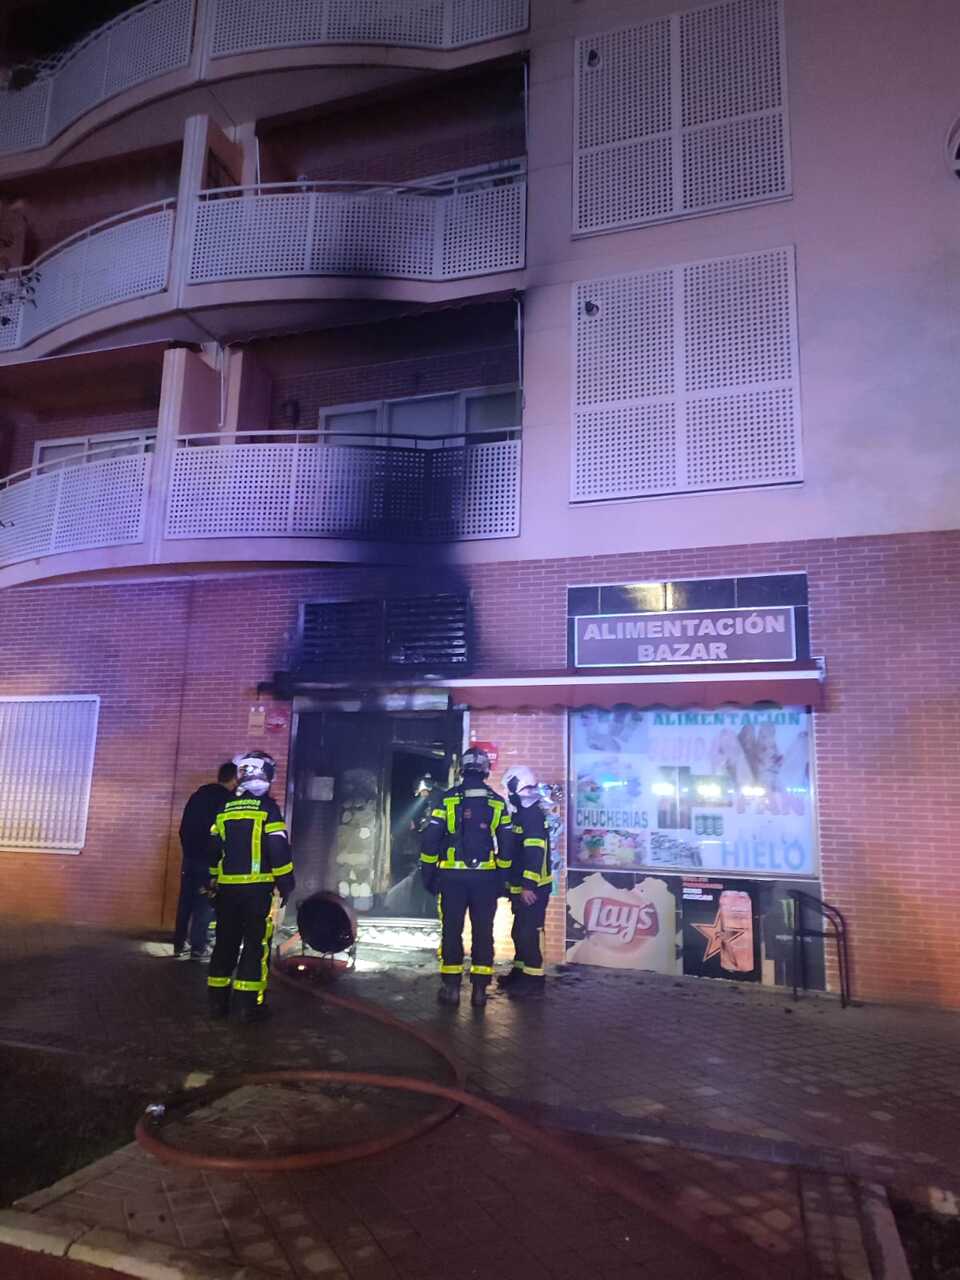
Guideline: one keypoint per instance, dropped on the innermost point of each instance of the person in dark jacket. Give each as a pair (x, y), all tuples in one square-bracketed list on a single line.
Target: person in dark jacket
[(194, 907), (466, 848), (531, 883), (250, 858)]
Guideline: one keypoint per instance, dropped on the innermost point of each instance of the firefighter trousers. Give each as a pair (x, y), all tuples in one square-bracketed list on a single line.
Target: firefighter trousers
[(527, 932), (241, 954), (460, 892)]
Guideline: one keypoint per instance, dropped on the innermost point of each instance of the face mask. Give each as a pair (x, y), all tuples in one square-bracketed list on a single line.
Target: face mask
[(255, 786)]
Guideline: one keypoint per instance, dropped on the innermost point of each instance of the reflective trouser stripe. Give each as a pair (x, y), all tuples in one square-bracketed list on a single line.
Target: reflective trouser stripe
[(481, 969), (218, 982), (451, 968)]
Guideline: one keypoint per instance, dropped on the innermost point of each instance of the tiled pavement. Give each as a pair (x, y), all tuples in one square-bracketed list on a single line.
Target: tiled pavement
[(709, 1073)]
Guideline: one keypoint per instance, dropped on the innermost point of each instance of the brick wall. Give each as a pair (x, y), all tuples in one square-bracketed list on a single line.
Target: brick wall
[(461, 124), (177, 684), (85, 421)]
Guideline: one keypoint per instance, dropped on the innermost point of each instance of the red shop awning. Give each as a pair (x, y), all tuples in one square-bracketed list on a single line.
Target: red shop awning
[(787, 684)]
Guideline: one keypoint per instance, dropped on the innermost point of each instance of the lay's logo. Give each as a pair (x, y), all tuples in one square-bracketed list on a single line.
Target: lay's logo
[(621, 919)]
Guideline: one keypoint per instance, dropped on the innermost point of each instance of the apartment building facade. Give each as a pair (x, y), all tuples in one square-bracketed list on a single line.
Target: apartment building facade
[(578, 379)]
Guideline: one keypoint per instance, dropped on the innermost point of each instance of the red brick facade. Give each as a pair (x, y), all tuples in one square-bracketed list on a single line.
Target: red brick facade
[(177, 665)]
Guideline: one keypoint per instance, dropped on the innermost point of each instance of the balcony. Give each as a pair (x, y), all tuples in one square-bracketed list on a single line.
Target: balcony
[(444, 229), (142, 45), (120, 259), (413, 491), (77, 507), (197, 38)]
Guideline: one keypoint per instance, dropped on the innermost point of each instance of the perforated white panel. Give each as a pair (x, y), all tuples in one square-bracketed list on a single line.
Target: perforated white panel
[(99, 504), (625, 342), (329, 491), (251, 236), (687, 379), (27, 513), (483, 231), (78, 84), (681, 115), (738, 316), (128, 260), (11, 310), (388, 235), (241, 26), (46, 763), (491, 492), (23, 117), (473, 20), (743, 439), (625, 452), (155, 39), (403, 235)]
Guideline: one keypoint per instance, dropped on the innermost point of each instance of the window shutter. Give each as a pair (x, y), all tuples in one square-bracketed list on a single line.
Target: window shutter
[(46, 765), (373, 636), (687, 378), (681, 115)]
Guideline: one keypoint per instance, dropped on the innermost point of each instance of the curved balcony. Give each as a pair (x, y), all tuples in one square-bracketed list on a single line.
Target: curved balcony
[(198, 38), (119, 259), (445, 229), (410, 490), (77, 507), (141, 45)]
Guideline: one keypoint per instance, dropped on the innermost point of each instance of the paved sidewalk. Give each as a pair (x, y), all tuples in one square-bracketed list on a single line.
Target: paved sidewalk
[(753, 1112)]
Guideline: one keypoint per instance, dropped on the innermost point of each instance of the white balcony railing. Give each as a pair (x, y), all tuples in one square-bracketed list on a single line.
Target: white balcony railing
[(443, 229), (159, 36), (320, 489), (121, 258), (240, 26), (78, 506), (148, 41)]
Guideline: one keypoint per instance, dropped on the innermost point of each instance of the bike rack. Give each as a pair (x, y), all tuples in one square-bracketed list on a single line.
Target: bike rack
[(838, 933)]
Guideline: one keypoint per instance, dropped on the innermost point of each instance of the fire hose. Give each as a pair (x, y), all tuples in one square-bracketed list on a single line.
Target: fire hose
[(612, 1174)]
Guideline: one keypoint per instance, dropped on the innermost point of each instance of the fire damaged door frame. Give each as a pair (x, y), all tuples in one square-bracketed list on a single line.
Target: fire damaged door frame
[(342, 793)]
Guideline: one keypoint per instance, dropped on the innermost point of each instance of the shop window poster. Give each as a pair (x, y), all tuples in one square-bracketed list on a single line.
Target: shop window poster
[(725, 791)]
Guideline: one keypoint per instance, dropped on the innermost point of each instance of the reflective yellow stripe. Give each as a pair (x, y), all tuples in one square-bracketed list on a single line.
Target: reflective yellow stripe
[(451, 968), (481, 969), (504, 863), (531, 972), (273, 827), (218, 982), (262, 877), (534, 843), (531, 875), (516, 888), (450, 812), (455, 865), (240, 984), (213, 871), (285, 870), (438, 813), (427, 857)]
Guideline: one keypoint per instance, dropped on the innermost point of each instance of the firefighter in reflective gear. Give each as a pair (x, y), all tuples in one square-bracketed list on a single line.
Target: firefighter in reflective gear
[(465, 850), (250, 857), (531, 882)]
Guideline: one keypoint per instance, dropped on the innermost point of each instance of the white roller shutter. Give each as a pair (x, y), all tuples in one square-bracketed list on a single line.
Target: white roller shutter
[(46, 763)]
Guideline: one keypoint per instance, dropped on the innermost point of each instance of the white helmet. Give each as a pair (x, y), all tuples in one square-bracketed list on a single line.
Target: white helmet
[(255, 772), (521, 783)]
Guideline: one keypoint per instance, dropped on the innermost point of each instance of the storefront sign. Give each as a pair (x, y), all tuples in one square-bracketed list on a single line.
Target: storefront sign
[(492, 752), (686, 636), (692, 791)]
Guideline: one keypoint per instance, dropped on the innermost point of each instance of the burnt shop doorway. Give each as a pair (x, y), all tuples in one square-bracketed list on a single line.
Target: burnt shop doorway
[(355, 810)]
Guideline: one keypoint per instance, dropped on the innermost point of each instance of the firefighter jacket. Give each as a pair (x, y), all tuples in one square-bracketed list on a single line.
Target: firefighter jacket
[(469, 830), (249, 845), (531, 860)]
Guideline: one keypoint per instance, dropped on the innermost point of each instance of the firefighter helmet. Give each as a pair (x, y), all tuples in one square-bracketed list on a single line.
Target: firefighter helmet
[(522, 786), (475, 761), (255, 771)]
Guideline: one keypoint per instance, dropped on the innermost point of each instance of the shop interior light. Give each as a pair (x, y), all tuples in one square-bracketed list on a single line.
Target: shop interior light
[(709, 790), (753, 791), (663, 789)]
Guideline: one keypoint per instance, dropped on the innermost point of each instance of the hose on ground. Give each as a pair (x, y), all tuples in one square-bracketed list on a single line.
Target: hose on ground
[(611, 1173)]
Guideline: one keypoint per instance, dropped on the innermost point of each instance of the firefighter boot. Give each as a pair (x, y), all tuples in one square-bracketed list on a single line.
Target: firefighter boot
[(478, 994), (526, 988), (218, 1002), (506, 980), (449, 992)]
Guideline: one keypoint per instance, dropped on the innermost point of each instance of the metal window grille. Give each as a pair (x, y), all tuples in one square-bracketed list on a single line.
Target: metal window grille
[(46, 764), (424, 632), (681, 115), (687, 379)]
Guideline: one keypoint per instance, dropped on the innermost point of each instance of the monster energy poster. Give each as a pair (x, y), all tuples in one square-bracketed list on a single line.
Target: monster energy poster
[(725, 791)]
